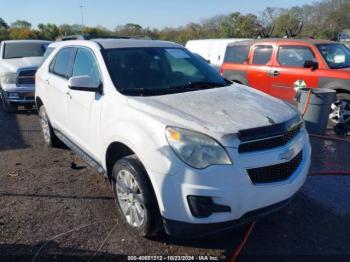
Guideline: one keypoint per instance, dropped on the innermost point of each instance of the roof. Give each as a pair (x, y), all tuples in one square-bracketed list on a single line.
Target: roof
[(285, 40), (26, 41), (124, 43)]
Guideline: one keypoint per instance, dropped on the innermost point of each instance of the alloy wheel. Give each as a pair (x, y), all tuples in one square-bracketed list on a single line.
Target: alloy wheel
[(130, 198)]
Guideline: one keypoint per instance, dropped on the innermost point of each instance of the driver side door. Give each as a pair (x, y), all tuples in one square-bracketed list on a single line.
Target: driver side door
[(85, 106)]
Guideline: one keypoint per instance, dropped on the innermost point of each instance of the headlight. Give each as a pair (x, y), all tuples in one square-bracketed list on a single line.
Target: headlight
[(9, 78), (195, 149)]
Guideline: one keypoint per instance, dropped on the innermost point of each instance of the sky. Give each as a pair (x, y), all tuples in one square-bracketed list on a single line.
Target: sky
[(147, 13)]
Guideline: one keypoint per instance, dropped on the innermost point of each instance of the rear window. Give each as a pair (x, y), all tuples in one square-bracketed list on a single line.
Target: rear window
[(237, 54), (262, 54), (24, 49)]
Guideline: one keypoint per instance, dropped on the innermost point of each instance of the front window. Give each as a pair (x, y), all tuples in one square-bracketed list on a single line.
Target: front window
[(336, 55), (157, 71), (85, 65), (20, 50), (295, 56)]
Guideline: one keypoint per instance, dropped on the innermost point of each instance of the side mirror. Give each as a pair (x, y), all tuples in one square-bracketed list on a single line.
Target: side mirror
[(311, 64), (84, 83)]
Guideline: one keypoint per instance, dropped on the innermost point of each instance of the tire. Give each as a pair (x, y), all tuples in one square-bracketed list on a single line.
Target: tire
[(51, 140), (6, 106), (340, 111), (135, 198)]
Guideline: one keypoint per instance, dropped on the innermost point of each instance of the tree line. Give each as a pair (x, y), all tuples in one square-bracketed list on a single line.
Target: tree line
[(323, 19)]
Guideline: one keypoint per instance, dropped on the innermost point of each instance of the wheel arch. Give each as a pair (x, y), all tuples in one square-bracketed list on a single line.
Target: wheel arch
[(38, 102)]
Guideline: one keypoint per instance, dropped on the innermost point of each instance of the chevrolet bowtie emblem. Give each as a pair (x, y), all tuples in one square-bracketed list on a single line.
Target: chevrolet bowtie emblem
[(288, 155)]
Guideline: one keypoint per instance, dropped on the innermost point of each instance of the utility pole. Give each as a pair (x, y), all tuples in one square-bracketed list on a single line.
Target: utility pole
[(82, 14)]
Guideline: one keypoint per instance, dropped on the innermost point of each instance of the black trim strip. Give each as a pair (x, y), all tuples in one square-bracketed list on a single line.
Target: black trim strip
[(80, 152), (268, 131)]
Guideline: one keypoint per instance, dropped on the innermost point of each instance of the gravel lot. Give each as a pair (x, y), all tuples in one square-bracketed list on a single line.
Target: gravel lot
[(49, 211)]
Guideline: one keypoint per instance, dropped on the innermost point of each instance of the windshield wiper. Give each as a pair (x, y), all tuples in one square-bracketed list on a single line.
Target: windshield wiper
[(14, 57), (144, 91), (199, 85)]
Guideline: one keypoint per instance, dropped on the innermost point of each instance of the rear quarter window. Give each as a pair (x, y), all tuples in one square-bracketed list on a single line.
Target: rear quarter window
[(237, 54)]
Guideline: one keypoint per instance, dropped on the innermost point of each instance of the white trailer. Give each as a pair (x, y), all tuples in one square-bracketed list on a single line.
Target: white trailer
[(212, 50)]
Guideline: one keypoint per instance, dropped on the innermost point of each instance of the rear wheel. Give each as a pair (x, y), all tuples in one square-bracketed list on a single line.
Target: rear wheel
[(135, 198), (340, 111), (51, 140)]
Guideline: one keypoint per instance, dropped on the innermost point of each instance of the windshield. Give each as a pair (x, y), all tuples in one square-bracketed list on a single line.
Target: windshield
[(336, 55), (158, 71), (20, 50)]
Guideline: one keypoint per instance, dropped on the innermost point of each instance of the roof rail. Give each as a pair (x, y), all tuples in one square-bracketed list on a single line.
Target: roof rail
[(91, 37)]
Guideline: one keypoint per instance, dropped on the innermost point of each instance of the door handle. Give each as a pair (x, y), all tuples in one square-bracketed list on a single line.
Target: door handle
[(69, 95), (47, 82), (274, 73)]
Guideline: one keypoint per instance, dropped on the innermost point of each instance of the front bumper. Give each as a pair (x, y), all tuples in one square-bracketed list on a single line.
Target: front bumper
[(191, 230), (19, 95), (228, 186)]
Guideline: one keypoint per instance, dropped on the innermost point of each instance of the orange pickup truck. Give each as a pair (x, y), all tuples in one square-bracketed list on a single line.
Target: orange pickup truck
[(280, 67)]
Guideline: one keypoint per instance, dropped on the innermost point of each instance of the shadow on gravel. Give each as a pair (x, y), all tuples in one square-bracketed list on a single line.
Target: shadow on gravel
[(54, 196), (226, 241), (18, 252), (11, 136)]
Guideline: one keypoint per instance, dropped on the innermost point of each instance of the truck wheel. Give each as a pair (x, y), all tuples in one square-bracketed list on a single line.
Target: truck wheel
[(340, 112), (135, 198), (51, 140), (6, 106)]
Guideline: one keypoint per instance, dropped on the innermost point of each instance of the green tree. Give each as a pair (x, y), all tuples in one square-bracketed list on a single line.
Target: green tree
[(3, 24), (21, 24), (129, 29), (48, 31), (22, 33)]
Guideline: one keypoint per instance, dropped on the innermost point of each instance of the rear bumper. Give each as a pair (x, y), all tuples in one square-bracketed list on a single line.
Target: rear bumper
[(190, 230)]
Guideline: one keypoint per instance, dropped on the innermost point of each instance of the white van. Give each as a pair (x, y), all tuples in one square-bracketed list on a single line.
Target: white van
[(212, 50)]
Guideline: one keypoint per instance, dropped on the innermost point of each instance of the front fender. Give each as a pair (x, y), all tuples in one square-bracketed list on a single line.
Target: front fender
[(147, 142), (335, 84)]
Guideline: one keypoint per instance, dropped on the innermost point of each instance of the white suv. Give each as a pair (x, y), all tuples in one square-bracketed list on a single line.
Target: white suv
[(183, 149)]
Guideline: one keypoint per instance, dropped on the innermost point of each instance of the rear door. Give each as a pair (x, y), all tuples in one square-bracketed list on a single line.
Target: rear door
[(260, 65), (288, 72), (57, 88)]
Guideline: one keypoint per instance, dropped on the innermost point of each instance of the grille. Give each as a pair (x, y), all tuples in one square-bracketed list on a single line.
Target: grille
[(26, 77), (275, 173), (269, 143)]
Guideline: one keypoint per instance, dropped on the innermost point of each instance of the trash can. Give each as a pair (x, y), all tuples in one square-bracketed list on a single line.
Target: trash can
[(319, 108)]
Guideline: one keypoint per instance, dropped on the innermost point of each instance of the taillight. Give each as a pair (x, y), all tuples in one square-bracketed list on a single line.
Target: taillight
[(221, 71)]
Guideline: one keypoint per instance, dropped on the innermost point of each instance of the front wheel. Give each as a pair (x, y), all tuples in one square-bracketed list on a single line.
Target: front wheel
[(6, 106), (134, 197), (340, 111)]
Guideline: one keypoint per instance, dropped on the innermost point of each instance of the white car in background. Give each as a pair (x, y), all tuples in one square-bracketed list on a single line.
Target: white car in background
[(212, 50), (183, 148), (19, 60)]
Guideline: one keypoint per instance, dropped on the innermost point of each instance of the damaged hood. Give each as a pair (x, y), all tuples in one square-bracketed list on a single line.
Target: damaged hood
[(217, 112), (13, 65)]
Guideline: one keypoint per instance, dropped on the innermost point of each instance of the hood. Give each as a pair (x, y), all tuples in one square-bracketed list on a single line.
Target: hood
[(13, 65), (218, 112)]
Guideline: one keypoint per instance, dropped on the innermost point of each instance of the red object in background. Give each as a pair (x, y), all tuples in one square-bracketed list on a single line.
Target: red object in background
[(280, 66)]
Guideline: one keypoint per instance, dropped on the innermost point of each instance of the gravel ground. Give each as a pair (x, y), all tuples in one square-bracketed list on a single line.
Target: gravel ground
[(50, 212)]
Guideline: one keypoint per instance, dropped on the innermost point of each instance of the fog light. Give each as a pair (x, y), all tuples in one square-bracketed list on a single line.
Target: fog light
[(13, 95), (202, 207)]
